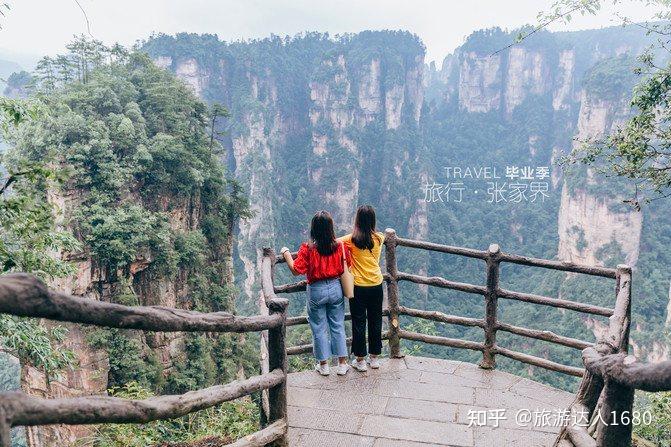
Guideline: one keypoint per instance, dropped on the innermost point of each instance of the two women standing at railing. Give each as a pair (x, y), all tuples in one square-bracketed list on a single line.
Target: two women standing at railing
[(321, 260), (366, 306)]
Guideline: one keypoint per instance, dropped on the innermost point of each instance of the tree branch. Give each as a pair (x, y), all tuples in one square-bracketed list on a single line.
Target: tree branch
[(537, 29), (13, 178), (86, 18)]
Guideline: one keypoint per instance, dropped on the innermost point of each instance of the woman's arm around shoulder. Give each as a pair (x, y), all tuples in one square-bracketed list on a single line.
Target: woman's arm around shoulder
[(347, 239)]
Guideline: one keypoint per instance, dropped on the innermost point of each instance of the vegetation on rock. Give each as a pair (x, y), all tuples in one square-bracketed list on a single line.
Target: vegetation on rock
[(143, 195)]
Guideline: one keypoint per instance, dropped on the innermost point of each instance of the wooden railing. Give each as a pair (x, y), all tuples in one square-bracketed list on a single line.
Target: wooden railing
[(25, 296), (605, 361), (491, 291), (608, 382)]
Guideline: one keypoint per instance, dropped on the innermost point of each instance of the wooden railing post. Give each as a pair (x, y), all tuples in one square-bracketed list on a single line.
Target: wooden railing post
[(277, 351), (491, 302), (615, 428), (623, 280), (392, 293)]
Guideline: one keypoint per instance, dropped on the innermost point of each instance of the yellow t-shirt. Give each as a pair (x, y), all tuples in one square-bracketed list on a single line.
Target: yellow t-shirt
[(365, 263)]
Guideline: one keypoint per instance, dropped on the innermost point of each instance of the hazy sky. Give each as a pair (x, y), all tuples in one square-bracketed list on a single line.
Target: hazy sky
[(38, 27)]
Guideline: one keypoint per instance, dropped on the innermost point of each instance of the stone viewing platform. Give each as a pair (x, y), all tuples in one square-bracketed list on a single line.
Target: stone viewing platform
[(418, 402)]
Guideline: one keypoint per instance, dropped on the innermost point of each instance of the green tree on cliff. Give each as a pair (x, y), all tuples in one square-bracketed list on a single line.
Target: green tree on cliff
[(139, 149), (149, 194), (640, 149), (28, 239)]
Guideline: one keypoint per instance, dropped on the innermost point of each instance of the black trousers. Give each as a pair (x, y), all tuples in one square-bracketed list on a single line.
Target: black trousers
[(366, 307)]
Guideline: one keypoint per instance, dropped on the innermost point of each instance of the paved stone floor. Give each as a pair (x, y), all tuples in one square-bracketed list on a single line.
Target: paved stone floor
[(420, 402)]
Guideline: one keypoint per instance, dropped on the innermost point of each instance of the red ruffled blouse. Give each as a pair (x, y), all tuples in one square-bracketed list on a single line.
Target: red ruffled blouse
[(317, 267)]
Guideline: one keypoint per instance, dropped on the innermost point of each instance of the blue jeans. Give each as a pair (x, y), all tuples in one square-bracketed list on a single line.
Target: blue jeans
[(326, 315)]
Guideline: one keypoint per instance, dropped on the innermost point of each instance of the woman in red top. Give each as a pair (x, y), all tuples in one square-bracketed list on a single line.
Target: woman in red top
[(321, 260)]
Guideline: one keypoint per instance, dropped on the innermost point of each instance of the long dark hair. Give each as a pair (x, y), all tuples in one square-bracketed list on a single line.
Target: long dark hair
[(364, 228), (322, 233)]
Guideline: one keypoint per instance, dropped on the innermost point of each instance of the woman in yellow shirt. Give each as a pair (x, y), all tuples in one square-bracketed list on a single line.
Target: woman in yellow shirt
[(366, 307)]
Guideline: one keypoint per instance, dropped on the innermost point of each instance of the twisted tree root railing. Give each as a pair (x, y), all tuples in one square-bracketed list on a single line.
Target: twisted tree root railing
[(605, 361), (606, 394), (25, 296)]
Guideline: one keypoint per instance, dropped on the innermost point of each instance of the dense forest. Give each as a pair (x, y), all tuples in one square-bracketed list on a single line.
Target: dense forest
[(117, 173)]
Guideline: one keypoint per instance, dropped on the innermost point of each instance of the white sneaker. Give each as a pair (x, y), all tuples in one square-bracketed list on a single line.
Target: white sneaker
[(324, 369), (359, 365), (342, 369), (374, 362)]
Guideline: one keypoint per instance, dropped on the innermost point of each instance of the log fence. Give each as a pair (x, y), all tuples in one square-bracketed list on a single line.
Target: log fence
[(26, 296), (491, 291)]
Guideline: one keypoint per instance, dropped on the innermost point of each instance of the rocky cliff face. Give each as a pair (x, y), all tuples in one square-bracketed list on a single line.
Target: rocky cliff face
[(589, 222), (89, 376), (528, 73), (485, 77), (331, 118), (252, 154), (564, 80), (480, 82), (587, 225), (321, 121), (503, 81), (336, 114)]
